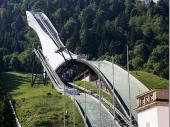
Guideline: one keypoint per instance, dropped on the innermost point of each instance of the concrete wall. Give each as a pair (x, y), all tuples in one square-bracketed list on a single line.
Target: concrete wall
[(163, 116), (154, 117)]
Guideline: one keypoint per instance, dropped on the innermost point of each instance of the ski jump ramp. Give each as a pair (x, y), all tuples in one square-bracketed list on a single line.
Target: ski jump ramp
[(63, 61)]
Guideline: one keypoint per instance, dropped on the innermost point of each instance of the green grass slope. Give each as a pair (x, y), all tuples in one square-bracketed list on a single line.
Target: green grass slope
[(151, 81), (34, 106), (93, 88)]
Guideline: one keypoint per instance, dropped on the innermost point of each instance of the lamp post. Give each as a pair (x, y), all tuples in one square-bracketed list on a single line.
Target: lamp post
[(64, 107), (100, 98), (74, 109), (85, 101), (113, 92), (67, 116)]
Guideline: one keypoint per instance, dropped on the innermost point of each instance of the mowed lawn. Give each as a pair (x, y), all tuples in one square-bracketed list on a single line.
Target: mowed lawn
[(38, 106), (151, 81)]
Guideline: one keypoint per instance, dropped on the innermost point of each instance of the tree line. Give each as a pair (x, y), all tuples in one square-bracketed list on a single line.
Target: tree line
[(99, 28)]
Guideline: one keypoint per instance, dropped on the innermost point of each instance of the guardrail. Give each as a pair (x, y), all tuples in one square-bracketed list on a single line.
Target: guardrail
[(13, 110)]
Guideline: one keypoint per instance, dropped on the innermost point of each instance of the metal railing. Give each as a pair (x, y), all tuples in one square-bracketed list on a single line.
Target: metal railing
[(80, 75), (49, 29), (56, 81)]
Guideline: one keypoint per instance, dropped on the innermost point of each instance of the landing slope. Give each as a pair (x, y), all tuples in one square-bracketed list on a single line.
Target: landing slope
[(121, 82)]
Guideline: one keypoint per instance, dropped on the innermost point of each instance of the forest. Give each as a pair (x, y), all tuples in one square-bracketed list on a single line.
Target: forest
[(98, 28)]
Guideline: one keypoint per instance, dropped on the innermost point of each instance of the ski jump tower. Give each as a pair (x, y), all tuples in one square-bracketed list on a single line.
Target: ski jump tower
[(57, 60), (53, 49)]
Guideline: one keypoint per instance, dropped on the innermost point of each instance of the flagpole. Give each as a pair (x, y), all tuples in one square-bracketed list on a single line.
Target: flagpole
[(74, 108), (169, 69), (85, 100), (130, 108), (113, 92), (100, 97), (64, 107)]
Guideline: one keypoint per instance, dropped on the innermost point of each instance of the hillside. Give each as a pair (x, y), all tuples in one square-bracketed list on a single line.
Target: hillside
[(99, 28), (39, 105), (151, 81)]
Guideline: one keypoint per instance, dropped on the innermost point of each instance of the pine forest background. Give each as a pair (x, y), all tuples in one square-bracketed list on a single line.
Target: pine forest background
[(98, 28)]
